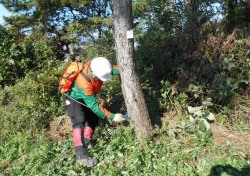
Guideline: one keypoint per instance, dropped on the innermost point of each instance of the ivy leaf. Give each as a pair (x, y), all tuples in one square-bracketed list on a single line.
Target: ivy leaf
[(193, 110), (196, 95), (207, 125), (230, 66), (171, 133), (207, 102), (209, 116), (198, 113), (226, 60), (191, 119)]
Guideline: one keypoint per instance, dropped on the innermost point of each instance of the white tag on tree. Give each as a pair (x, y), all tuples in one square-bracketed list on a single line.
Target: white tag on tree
[(130, 34)]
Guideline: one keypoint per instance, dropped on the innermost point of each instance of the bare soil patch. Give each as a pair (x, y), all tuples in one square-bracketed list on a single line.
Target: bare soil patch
[(60, 128)]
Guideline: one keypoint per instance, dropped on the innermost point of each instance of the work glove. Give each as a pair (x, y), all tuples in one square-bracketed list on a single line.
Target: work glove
[(119, 118)]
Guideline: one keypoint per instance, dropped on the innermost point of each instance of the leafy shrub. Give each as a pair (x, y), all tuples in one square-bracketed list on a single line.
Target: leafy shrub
[(11, 58), (234, 77), (170, 100), (31, 103), (18, 58)]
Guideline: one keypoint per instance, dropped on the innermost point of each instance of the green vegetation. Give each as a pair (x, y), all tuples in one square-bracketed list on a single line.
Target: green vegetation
[(189, 153), (194, 73)]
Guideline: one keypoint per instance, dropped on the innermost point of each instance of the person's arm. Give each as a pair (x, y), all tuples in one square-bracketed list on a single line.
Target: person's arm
[(98, 109), (92, 103), (86, 94)]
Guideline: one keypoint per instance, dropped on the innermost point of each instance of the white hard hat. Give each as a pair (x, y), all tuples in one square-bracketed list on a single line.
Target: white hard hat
[(102, 68)]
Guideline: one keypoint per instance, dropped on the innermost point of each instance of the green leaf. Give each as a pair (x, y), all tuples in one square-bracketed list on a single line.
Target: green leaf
[(198, 113), (226, 60), (191, 119), (193, 110), (230, 66), (207, 125), (171, 133), (209, 116), (207, 102)]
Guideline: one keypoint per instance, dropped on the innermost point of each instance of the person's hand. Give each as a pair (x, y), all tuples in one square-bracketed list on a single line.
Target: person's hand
[(118, 118)]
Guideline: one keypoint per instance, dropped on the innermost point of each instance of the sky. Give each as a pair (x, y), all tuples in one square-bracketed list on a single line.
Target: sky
[(3, 12)]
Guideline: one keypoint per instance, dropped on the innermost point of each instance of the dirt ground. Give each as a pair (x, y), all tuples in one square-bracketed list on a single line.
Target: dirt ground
[(60, 129)]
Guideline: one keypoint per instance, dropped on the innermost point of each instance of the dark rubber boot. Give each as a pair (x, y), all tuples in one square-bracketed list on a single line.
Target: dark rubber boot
[(88, 141), (84, 158)]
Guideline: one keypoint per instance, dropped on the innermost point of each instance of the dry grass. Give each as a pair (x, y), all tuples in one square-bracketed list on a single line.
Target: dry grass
[(60, 128), (224, 136)]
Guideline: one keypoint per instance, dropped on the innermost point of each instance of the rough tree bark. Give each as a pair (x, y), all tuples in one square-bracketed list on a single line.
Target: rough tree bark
[(132, 92)]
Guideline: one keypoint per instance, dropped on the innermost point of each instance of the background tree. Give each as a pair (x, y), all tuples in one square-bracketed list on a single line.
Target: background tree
[(62, 23), (236, 14)]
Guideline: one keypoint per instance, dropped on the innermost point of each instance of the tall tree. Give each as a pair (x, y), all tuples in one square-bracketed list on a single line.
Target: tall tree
[(62, 23), (134, 98), (237, 14)]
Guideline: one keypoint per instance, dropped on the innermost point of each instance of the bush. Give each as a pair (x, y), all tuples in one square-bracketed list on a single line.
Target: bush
[(31, 103)]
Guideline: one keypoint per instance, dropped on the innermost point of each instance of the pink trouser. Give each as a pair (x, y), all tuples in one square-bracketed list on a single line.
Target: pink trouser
[(77, 134)]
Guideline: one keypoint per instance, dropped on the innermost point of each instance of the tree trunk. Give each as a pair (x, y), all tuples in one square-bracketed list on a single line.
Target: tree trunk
[(132, 92)]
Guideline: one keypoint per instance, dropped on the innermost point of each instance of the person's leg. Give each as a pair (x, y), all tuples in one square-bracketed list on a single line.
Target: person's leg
[(75, 111), (91, 122)]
